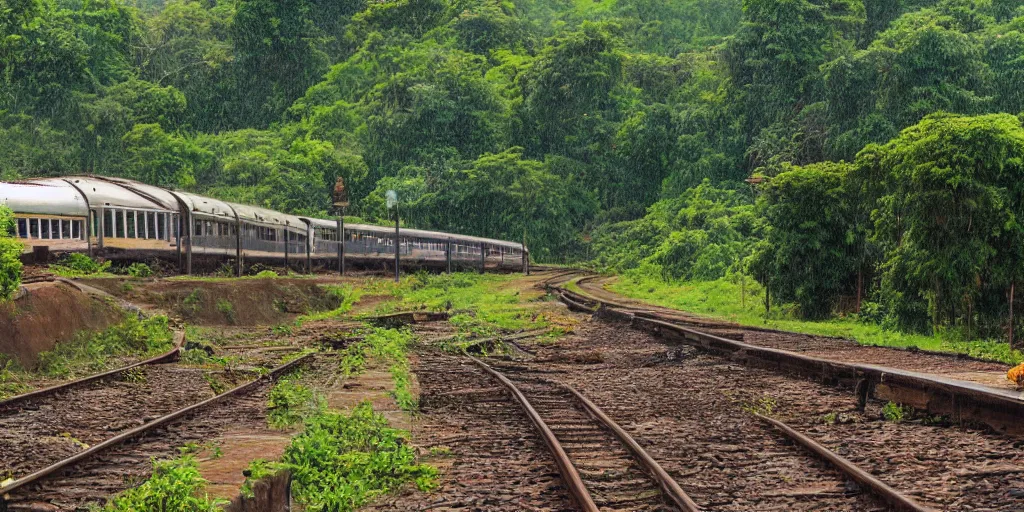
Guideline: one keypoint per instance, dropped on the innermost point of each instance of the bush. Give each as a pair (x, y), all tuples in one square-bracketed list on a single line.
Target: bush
[(340, 462), (139, 270), (290, 403), (175, 485), (77, 264), (10, 256), (89, 352)]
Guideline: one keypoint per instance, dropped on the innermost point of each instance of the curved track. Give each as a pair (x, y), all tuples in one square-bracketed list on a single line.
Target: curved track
[(57, 481), (603, 467)]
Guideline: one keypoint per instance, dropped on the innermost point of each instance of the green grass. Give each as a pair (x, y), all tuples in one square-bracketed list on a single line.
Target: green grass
[(175, 485), (722, 299), (340, 462), (347, 296), (92, 352), (389, 347), (291, 403), (482, 305)]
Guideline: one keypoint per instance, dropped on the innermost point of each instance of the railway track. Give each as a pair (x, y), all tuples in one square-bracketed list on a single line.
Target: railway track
[(998, 408), (109, 466), (629, 479), (602, 466)]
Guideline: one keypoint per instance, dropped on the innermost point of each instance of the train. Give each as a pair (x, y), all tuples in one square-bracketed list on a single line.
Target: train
[(122, 219)]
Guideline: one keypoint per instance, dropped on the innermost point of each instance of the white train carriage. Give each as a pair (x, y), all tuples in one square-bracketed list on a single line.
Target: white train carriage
[(271, 236), (209, 226), (123, 221), (48, 212), (128, 219)]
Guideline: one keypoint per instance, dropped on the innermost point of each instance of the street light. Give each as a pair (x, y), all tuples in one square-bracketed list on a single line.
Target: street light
[(392, 201)]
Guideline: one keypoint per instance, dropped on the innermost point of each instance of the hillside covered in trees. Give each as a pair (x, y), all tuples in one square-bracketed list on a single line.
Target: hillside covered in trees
[(885, 134)]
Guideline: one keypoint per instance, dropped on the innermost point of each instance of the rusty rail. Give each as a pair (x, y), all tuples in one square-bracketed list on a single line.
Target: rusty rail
[(169, 356), (665, 481), (137, 431), (881, 489), (1000, 409), (565, 467)]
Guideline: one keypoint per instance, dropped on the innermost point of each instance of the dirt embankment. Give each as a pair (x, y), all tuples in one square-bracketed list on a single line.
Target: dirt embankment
[(50, 313), (241, 302)]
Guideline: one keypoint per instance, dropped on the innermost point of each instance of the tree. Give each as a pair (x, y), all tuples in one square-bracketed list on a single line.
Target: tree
[(949, 219), (811, 247), (10, 254)]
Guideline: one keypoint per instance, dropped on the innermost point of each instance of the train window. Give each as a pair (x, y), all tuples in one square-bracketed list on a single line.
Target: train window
[(161, 229), (132, 221), (108, 223), (76, 230), (33, 228), (120, 222), (23, 228), (65, 229), (44, 229)]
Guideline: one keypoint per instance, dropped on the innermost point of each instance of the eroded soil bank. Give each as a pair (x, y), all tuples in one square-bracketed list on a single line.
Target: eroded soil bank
[(50, 313)]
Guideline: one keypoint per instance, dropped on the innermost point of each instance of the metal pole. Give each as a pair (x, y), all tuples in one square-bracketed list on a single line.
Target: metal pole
[(448, 254), (341, 242), (397, 251), (238, 248), (188, 249), (309, 251), (286, 267), (103, 225)]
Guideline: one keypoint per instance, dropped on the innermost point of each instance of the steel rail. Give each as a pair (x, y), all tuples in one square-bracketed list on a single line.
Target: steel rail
[(999, 408), (891, 496), (568, 471), (137, 431), (169, 356), (668, 484)]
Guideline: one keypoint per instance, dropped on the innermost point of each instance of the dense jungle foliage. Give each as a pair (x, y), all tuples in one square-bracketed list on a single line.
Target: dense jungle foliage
[(884, 134)]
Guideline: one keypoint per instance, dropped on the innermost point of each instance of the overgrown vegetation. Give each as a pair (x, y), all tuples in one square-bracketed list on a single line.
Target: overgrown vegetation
[(481, 305), (340, 462), (11, 381), (728, 299), (388, 347), (10, 254), (884, 140), (91, 352), (79, 265), (175, 485), (291, 402)]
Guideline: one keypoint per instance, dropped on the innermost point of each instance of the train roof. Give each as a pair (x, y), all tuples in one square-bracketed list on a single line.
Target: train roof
[(206, 205), (46, 196), (266, 216), (385, 231), (163, 197), (104, 193)]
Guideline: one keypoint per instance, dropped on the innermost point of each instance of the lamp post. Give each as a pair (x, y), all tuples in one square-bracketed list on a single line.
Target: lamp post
[(392, 201), (340, 203)]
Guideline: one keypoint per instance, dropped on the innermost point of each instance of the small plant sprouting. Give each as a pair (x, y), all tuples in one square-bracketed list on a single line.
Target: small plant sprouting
[(227, 309), (764, 406), (134, 375), (896, 413)]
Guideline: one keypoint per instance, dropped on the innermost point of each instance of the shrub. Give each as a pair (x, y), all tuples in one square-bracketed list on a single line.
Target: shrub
[(340, 462), (89, 352), (290, 403), (77, 264), (175, 485), (139, 270), (10, 256)]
